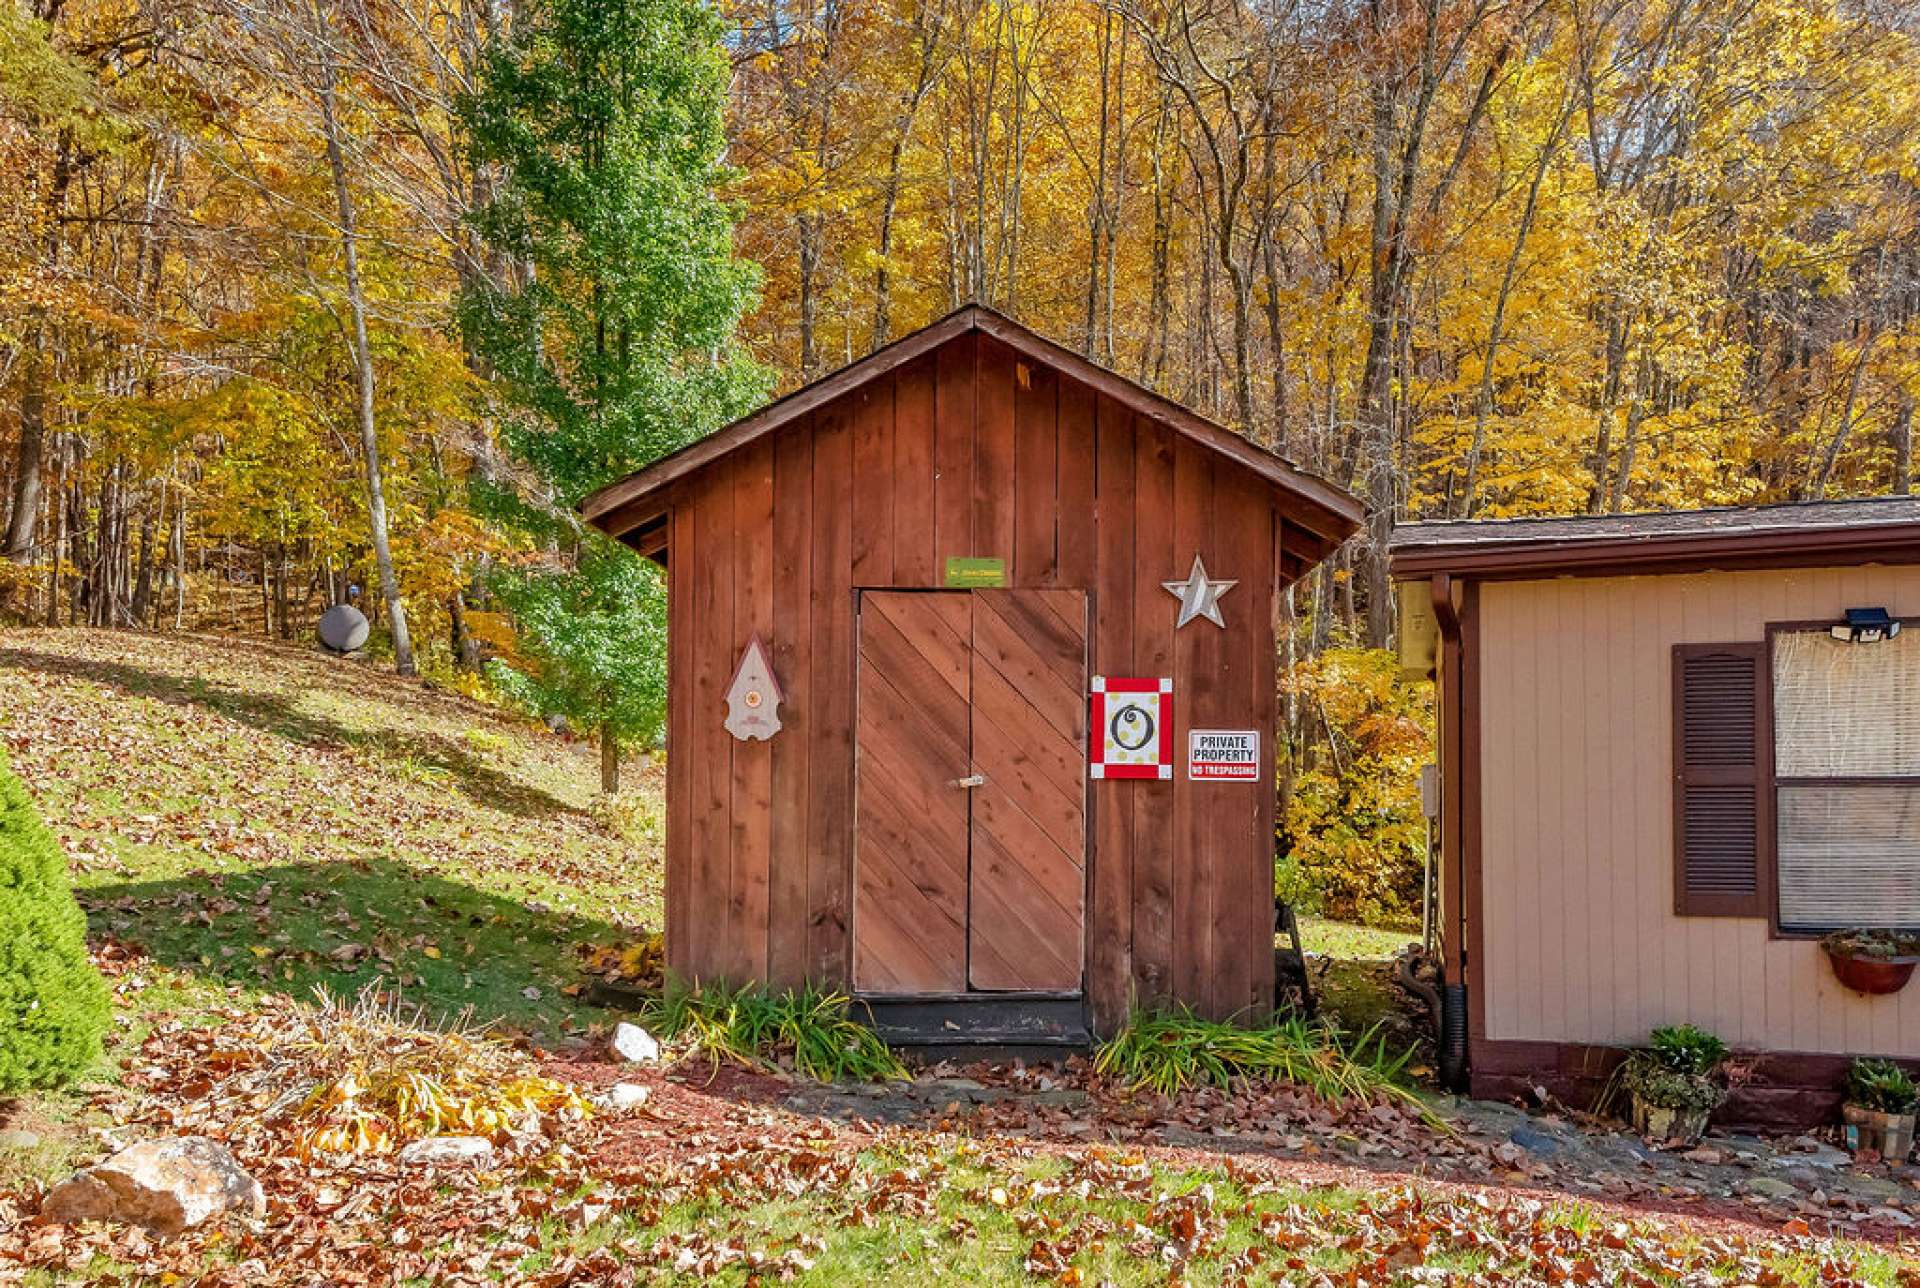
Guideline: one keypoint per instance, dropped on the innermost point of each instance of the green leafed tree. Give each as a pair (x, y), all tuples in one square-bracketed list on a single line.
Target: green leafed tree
[(595, 645), (610, 319), (53, 1004)]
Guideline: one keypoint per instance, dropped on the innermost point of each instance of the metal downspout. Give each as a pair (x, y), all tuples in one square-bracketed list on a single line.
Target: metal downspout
[(1453, 985)]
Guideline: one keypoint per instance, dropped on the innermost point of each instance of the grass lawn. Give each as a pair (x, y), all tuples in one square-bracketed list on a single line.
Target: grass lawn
[(1349, 942), (271, 818), (247, 823)]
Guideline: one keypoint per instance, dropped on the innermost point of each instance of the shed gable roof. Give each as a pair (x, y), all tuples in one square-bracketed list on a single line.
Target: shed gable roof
[(1328, 512)]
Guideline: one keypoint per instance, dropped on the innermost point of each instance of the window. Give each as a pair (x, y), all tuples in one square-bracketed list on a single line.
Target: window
[(1846, 771)]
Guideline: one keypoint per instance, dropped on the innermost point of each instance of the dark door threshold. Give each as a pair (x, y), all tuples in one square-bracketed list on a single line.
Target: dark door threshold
[(980, 1025)]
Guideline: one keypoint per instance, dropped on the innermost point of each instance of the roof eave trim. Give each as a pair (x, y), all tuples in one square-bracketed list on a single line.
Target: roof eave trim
[(1669, 553)]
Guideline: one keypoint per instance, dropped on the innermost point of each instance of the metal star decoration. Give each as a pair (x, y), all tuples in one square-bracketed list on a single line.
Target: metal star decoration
[(1199, 596)]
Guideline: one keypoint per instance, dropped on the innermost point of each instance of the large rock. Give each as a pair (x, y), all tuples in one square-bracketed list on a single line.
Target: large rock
[(442, 1151), (165, 1185), (634, 1044)]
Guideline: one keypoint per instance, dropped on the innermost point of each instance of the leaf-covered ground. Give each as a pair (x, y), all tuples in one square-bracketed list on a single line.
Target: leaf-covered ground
[(247, 822), (274, 818)]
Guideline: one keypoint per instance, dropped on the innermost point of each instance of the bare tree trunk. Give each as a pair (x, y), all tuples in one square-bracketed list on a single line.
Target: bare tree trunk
[(363, 379), (1376, 393), (1623, 477), (29, 460), (1834, 448), (809, 269), (609, 761), (59, 557), (1903, 446), (179, 542), (1601, 464), (143, 570)]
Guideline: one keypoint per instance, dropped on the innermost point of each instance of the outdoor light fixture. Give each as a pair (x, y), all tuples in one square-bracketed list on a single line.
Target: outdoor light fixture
[(1866, 626)]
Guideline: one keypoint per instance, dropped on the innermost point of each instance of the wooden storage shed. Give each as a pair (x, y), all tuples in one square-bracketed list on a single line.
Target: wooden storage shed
[(894, 598)]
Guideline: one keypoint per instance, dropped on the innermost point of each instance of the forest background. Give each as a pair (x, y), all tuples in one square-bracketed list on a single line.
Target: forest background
[(1469, 258)]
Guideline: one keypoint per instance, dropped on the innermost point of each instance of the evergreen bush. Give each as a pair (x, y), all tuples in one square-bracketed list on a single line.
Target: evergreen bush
[(53, 1003)]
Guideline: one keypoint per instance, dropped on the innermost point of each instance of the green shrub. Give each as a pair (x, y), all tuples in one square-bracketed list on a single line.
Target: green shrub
[(1168, 1051), (53, 1004), (1677, 1069), (1882, 1086), (1684, 1048), (809, 1029)]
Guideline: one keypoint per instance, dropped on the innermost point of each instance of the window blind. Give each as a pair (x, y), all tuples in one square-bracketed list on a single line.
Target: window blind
[(1849, 856), (1846, 710)]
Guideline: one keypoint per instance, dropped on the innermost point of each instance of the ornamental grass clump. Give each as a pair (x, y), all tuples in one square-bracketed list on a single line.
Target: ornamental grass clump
[(809, 1031), (367, 1076), (53, 1003), (1172, 1050)]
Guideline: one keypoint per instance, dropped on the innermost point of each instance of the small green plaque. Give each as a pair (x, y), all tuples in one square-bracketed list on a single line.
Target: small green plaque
[(965, 572)]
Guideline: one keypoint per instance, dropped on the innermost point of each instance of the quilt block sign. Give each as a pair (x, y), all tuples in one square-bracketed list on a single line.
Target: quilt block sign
[(1133, 724)]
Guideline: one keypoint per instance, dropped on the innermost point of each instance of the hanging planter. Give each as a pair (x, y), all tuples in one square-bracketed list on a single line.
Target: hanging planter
[(1875, 962)]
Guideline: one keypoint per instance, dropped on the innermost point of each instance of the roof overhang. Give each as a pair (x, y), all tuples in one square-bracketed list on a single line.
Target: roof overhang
[(1319, 515), (1697, 541)]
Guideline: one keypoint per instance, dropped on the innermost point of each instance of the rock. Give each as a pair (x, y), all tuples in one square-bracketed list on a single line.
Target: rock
[(1536, 1142), (444, 1151), (1811, 1151), (1893, 1216), (15, 1138), (1878, 1187), (165, 1185), (626, 1095), (1706, 1155), (1771, 1187), (634, 1044)]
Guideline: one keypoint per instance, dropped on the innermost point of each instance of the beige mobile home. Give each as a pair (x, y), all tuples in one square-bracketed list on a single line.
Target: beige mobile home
[(1675, 750)]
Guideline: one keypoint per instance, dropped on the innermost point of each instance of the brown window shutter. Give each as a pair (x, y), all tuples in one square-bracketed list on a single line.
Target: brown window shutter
[(1722, 770)]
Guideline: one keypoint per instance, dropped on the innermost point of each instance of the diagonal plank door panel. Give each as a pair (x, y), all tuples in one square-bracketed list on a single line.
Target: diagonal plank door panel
[(1027, 881), (910, 861)]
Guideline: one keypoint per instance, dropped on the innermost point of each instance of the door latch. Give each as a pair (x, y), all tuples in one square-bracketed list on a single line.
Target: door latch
[(971, 781)]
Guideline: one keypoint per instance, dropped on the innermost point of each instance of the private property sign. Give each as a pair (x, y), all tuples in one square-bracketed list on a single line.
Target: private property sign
[(1223, 755)]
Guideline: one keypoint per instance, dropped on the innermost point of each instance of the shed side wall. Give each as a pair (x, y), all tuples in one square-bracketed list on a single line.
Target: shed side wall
[(967, 451), (1581, 941)]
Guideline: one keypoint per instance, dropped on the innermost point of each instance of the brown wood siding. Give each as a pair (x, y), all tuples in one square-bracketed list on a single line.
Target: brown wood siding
[(968, 450), (1577, 938)]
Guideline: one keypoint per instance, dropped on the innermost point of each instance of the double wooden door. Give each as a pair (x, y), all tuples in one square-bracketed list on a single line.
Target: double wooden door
[(970, 791)]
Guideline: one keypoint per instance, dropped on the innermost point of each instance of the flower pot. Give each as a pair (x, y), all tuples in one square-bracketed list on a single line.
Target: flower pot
[(1872, 975), (1660, 1125), (1888, 1135)]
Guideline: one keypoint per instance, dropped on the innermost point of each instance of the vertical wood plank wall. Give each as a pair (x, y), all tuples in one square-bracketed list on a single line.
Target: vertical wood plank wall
[(1581, 940), (969, 450)]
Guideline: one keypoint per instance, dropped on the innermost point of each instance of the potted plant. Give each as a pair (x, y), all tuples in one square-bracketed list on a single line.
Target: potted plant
[(1872, 961), (1673, 1084), (1880, 1109)]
